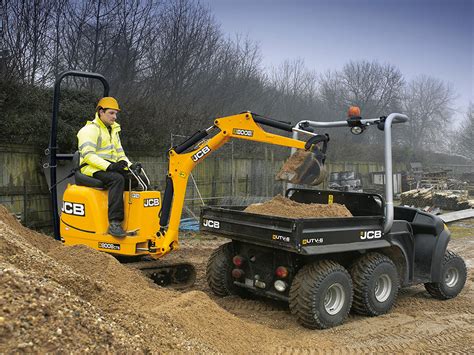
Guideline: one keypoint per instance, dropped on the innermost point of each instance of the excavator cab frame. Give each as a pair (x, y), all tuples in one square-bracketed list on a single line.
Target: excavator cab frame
[(52, 150)]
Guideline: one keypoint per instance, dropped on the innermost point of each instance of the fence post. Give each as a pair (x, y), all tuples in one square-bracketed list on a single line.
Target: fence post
[(265, 171), (272, 172), (232, 169), (25, 204)]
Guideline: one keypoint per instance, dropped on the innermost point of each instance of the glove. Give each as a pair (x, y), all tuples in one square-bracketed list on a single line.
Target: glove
[(137, 166), (118, 166)]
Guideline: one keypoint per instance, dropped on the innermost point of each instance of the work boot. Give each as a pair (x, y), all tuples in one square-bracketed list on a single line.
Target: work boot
[(115, 229)]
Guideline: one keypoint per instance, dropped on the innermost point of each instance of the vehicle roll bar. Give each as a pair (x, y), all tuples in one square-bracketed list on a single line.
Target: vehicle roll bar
[(52, 149), (302, 127)]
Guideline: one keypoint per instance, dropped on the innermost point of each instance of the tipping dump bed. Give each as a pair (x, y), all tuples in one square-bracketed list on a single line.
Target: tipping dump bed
[(304, 236)]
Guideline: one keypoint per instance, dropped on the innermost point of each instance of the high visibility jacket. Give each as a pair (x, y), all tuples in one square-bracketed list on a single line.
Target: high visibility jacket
[(98, 147)]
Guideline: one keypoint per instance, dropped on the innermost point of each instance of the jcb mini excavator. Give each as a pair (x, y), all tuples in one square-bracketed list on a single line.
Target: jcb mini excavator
[(152, 219)]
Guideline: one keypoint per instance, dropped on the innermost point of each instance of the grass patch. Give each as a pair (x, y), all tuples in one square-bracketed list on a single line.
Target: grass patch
[(463, 228)]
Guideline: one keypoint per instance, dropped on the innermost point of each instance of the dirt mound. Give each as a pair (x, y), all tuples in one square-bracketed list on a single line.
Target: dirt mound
[(284, 207), (75, 299), (55, 298), (58, 298)]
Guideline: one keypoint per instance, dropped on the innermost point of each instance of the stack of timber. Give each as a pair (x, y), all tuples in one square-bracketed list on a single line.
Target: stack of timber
[(453, 200), (417, 197)]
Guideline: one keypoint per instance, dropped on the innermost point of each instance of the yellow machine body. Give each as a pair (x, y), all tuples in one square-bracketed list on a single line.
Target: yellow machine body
[(84, 220)]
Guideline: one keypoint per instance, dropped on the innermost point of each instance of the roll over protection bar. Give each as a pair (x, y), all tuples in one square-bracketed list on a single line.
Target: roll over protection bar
[(303, 126), (52, 150)]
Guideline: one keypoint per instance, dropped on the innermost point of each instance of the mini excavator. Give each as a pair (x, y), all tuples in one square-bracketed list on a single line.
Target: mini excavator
[(152, 219)]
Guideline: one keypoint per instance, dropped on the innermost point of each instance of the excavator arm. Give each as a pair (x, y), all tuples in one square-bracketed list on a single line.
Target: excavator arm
[(181, 163)]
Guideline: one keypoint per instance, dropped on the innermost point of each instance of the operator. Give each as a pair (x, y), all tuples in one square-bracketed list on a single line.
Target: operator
[(103, 158)]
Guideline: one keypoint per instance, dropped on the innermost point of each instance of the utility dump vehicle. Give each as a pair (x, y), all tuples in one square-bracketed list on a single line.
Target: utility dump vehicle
[(323, 267)]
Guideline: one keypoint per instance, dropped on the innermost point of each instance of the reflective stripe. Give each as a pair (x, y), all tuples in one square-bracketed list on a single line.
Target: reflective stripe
[(106, 156), (83, 155), (120, 150), (87, 144), (105, 148)]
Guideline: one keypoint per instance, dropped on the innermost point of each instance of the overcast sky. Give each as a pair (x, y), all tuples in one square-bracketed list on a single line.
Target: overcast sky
[(432, 37)]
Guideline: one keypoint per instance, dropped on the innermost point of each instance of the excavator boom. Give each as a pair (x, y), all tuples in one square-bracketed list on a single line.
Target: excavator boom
[(182, 161)]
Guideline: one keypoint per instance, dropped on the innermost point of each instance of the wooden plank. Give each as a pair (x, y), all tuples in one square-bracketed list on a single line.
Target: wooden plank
[(457, 215)]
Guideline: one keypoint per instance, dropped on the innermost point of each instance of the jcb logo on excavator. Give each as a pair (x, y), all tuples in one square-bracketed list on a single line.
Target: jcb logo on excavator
[(76, 209), (151, 202), (201, 153), (243, 132), (370, 235), (211, 224)]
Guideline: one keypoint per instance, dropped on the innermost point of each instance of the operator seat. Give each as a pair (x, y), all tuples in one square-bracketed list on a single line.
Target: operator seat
[(81, 179)]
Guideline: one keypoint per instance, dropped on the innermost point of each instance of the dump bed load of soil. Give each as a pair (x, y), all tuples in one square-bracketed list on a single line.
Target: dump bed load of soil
[(284, 207)]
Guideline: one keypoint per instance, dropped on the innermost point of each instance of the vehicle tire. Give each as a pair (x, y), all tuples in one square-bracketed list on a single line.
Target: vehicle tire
[(376, 283), (321, 295), (453, 278), (219, 272)]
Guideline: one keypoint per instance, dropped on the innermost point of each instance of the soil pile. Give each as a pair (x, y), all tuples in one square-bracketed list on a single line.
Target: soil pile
[(75, 299), (284, 207)]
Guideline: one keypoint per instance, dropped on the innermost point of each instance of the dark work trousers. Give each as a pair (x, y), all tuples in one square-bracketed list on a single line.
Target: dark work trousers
[(116, 183)]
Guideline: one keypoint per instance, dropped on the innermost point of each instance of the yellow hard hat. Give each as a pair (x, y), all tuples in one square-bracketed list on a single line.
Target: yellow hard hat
[(108, 102)]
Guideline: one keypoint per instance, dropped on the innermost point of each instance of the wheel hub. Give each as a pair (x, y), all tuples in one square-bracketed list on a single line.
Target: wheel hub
[(383, 288), (334, 299), (451, 278)]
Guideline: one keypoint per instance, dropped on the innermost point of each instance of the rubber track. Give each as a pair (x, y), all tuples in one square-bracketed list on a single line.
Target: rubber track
[(159, 264), (433, 288), (361, 271), (304, 286)]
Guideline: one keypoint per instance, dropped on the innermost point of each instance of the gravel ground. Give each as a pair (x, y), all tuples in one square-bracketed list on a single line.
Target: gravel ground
[(55, 298)]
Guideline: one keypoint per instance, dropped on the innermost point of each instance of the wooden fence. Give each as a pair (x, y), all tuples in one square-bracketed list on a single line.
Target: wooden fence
[(24, 190)]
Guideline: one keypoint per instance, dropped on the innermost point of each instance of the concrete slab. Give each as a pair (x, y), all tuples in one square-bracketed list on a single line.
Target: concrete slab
[(457, 215)]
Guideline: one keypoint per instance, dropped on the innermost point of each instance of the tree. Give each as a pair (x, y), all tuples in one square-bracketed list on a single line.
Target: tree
[(295, 89), (465, 135), (374, 87), (25, 37), (427, 102)]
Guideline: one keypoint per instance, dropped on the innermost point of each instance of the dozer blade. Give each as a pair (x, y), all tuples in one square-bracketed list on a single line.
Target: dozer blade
[(174, 275), (303, 168)]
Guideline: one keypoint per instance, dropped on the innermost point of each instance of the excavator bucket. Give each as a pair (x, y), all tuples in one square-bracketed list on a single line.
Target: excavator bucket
[(303, 168)]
